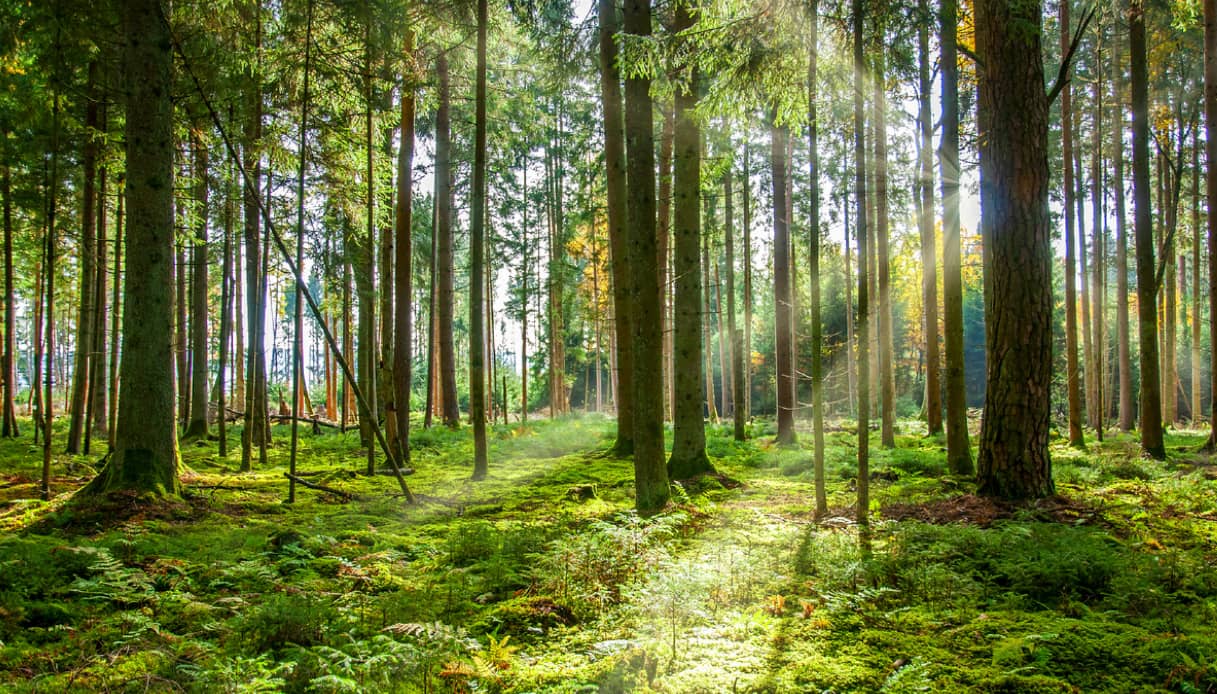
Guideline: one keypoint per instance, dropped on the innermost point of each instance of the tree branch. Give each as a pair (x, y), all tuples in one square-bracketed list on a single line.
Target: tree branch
[(1062, 77)]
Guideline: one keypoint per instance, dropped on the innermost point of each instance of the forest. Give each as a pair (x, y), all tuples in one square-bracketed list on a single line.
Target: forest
[(572, 346)]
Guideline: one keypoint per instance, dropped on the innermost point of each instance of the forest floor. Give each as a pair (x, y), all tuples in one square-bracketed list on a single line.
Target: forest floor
[(540, 578)]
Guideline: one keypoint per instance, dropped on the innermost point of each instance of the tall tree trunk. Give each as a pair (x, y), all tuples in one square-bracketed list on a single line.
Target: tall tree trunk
[(145, 456), (524, 298), (746, 252), (925, 226), (959, 451), (615, 194), (1147, 307), (298, 385), (116, 314), (887, 382), (663, 237), (813, 263), (650, 475), (1099, 245), (226, 305), (47, 410), (1210, 190), (97, 369), (182, 326), (688, 426), (705, 311), (783, 316), (1122, 313), (10, 429), (1013, 122), (432, 352), (196, 427), (1197, 413), (477, 249), (443, 223), (1071, 301), (1089, 393), (863, 503), (88, 271), (255, 389), (404, 277), (851, 367), (738, 412)]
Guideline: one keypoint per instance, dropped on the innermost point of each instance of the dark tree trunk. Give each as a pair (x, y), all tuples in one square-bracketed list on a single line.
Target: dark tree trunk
[(97, 369), (196, 427), (404, 301), (863, 504), (145, 456), (1147, 306), (746, 253), (254, 433), (477, 250), (925, 226), (959, 451), (445, 258), (1122, 313), (88, 271), (887, 382), (1013, 122), (46, 320), (1072, 374), (739, 415), (650, 474), (10, 318), (663, 237), (688, 427), (1210, 189)]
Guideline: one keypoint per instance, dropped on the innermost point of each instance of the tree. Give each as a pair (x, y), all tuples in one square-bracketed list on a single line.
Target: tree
[(650, 474), (688, 426), (863, 510), (925, 227), (196, 427), (614, 158), (404, 279), (959, 450), (1071, 302), (813, 263), (1013, 121), (88, 272), (444, 253), (887, 383), (1210, 189), (477, 251), (783, 312), (1147, 284), (1122, 329), (145, 457)]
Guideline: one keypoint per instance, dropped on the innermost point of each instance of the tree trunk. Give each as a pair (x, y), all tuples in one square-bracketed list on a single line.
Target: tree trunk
[(404, 282), (959, 451), (226, 305), (298, 385), (1013, 122), (615, 191), (1210, 189), (10, 429), (887, 382), (663, 237), (1197, 413), (813, 264), (746, 252), (196, 427), (47, 319), (88, 272), (1071, 301), (1122, 312), (97, 369), (650, 476), (1099, 246), (1147, 307), (863, 503), (925, 226), (477, 249), (739, 416), (783, 316), (255, 371), (443, 202), (116, 314), (705, 313), (145, 457), (688, 427)]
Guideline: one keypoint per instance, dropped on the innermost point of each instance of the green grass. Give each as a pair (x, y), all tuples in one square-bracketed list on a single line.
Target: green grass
[(540, 578)]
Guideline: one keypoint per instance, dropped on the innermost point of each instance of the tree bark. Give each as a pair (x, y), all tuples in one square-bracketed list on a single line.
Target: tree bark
[(861, 327), (1210, 189), (1147, 306), (443, 224), (1013, 122), (887, 382), (959, 451), (783, 315), (813, 264), (88, 272), (145, 457), (1071, 302), (925, 226), (477, 249), (650, 475), (404, 289), (196, 427), (10, 429), (1124, 356)]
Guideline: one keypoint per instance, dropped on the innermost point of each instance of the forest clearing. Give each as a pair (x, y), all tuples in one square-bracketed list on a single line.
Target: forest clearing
[(569, 346), (541, 578)]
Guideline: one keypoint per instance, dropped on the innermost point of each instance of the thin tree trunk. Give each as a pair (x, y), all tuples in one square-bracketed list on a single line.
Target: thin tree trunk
[(48, 311), (88, 272), (959, 451), (116, 313), (813, 264), (443, 201), (10, 429), (1197, 413), (1071, 301), (705, 312), (1122, 312), (196, 426), (887, 380), (404, 277), (783, 317), (739, 414), (663, 234), (851, 367), (298, 322), (477, 249), (1210, 189), (925, 225), (1099, 246), (97, 369), (863, 503), (746, 252), (226, 306)]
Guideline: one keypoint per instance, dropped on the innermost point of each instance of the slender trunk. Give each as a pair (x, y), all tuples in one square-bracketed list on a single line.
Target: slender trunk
[(1122, 311), (477, 249), (226, 305), (739, 415), (959, 451), (404, 277), (1147, 307), (783, 317), (10, 318), (663, 234), (705, 312), (1071, 301), (925, 225), (1099, 246), (196, 427), (1210, 190), (813, 263), (746, 252), (97, 368), (88, 272), (851, 367), (887, 390), (1197, 413), (443, 202), (255, 402), (48, 310), (1089, 393), (115, 315), (863, 504), (432, 352)]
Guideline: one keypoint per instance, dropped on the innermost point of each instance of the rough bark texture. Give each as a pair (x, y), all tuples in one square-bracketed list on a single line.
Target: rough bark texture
[(739, 416), (88, 272), (145, 457), (782, 311), (1147, 306), (925, 228), (477, 258), (959, 451), (688, 427), (1210, 189), (650, 474), (404, 289), (614, 156), (1122, 316), (1014, 461), (196, 427), (1072, 374), (863, 508), (10, 319), (445, 256), (813, 265)]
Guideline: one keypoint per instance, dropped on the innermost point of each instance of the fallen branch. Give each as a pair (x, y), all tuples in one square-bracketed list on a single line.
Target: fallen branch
[(322, 488)]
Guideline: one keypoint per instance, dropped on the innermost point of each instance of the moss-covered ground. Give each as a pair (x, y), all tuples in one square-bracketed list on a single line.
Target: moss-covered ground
[(540, 579)]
